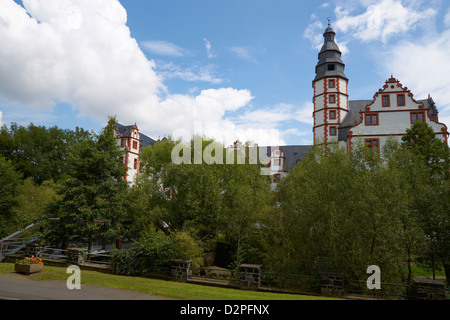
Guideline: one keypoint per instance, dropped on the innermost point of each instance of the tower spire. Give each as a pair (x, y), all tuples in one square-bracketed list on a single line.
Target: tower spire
[(330, 63)]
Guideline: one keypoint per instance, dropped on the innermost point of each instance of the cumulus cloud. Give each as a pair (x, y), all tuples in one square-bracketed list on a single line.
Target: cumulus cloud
[(418, 65), (81, 52), (380, 21)]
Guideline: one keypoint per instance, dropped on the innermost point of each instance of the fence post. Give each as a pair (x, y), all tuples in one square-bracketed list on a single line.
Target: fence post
[(426, 289), (33, 249), (332, 284), (181, 269), (75, 255), (250, 276)]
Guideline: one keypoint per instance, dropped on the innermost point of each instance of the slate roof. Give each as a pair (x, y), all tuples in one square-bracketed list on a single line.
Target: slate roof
[(292, 154), (125, 131)]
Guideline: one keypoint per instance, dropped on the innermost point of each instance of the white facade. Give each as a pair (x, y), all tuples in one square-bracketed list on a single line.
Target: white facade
[(330, 107), (392, 111), (129, 141)]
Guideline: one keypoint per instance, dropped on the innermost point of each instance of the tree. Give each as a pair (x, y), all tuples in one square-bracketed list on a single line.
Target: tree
[(91, 199), (432, 199), (38, 152), (207, 199), (337, 214), (9, 189)]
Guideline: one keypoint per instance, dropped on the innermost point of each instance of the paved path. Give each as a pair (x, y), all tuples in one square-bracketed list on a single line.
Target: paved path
[(18, 287)]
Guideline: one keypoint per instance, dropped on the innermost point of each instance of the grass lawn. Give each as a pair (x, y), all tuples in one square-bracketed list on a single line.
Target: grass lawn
[(175, 290)]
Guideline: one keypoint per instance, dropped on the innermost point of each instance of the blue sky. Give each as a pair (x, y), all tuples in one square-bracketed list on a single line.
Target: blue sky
[(226, 69)]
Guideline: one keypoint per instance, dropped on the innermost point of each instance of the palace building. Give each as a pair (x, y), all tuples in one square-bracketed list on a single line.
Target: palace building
[(337, 119), (391, 111)]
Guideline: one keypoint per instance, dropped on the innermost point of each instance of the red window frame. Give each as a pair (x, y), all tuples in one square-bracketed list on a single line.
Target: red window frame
[(332, 114), (331, 83), (369, 119), (371, 143), (332, 97), (415, 116), (404, 101), (388, 100), (333, 131)]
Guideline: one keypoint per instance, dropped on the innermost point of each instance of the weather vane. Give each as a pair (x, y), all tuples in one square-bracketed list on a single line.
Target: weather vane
[(329, 21)]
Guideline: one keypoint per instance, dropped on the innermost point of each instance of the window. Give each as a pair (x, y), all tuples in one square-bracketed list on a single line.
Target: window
[(417, 116), (135, 164), (331, 84), (332, 98), (373, 145), (400, 100), (122, 143), (332, 114), (386, 101), (331, 67), (276, 162), (371, 119), (276, 178), (333, 131), (135, 145)]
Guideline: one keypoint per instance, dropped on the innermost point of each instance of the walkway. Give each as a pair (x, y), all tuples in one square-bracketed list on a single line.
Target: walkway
[(18, 287)]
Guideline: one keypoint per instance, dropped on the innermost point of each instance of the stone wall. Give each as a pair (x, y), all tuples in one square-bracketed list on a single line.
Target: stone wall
[(425, 289), (181, 269), (250, 276), (332, 284)]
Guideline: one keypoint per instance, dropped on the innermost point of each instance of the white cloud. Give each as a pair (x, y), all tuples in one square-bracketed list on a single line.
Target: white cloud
[(81, 52), (209, 51), (447, 18), (314, 33), (380, 21), (163, 48), (244, 53), (420, 66), (191, 73)]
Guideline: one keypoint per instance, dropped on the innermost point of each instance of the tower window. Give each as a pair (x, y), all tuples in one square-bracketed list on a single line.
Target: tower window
[(332, 98), (332, 131), (332, 114), (331, 67), (331, 84)]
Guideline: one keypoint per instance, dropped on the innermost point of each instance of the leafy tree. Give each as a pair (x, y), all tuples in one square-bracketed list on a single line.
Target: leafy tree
[(432, 199), (38, 152), (9, 190), (337, 213), (91, 199)]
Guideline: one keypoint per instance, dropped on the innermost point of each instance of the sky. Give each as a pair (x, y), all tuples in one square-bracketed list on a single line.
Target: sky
[(234, 69)]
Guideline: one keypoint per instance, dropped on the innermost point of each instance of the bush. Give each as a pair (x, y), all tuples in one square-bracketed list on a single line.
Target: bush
[(152, 253)]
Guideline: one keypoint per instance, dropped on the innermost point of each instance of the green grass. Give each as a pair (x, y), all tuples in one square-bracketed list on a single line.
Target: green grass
[(174, 290)]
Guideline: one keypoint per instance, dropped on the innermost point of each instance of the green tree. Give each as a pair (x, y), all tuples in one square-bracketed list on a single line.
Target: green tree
[(38, 152), (91, 199), (432, 199), (337, 213), (9, 190)]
